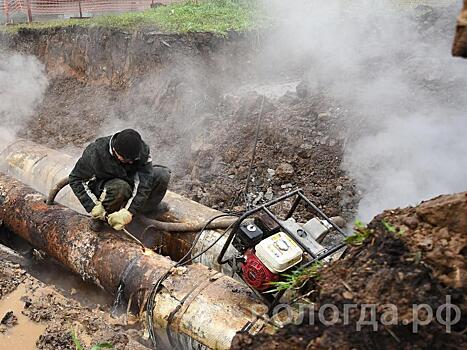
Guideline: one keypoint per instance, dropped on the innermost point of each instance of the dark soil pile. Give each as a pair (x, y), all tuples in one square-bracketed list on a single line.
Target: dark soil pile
[(297, 148), (412, 256)]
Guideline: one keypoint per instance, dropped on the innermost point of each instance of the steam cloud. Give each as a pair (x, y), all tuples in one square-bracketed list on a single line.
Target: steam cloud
[(168, 108), (22, 84), (405, 96)]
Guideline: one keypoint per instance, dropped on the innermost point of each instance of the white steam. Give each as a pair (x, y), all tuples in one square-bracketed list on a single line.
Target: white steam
[(405, 95), (22, 84), (167, 107)]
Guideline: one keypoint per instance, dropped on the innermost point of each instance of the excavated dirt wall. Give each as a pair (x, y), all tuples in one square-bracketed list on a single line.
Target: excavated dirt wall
[(116, 57), (196, 98)]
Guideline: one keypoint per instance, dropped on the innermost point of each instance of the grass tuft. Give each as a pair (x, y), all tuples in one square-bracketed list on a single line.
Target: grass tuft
[(298, 278), (392, 229), (99, 346), (361, 233)]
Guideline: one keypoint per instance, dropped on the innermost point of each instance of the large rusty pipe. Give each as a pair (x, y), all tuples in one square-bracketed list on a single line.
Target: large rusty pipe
[(204, 305), (43, 168)]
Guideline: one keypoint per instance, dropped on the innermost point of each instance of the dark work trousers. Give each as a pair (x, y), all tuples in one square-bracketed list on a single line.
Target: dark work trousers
[(118, 192)]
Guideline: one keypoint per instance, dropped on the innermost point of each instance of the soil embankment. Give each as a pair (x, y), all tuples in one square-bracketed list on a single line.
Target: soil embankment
[(412, 256)]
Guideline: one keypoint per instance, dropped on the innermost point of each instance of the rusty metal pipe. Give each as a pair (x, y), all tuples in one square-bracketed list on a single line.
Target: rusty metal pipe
[(43, 169), (202, 305)]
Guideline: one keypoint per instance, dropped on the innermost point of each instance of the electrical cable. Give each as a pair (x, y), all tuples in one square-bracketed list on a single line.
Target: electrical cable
[(253, 156), (150, 303)]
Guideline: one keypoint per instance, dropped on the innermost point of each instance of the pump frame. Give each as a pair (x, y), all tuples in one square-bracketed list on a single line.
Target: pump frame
[(272, 300)]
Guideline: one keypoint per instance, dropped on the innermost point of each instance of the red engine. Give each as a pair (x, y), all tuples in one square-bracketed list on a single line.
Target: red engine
[(255, 273)]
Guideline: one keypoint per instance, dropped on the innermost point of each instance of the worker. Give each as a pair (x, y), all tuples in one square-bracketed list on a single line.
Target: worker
[(115, 179)]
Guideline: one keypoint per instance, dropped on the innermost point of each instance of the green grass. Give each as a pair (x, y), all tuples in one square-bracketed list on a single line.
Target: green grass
[(298, 278), (215, 16), (361, 233), (392, 229)]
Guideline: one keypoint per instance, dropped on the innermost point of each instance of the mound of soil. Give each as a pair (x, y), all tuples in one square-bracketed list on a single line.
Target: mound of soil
[(411, 256), (297, 148)]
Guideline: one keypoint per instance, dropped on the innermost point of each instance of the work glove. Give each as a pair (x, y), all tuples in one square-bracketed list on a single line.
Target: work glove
[(98, 212), (120, 219)]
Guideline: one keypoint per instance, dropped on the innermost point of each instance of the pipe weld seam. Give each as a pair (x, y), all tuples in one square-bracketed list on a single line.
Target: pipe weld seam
[(190, 297)]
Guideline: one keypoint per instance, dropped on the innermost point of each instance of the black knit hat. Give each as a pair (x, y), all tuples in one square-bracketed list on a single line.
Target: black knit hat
[(127, 143)]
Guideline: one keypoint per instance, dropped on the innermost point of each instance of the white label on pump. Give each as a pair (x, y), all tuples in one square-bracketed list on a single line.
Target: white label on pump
[(278, 252)]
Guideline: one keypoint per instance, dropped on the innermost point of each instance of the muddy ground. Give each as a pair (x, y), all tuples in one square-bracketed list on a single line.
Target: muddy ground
[(41, 316), (417, 257)]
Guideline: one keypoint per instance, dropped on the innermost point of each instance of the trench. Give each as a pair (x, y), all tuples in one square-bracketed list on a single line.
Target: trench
[(77, 79), (119, 269), (119, 265)]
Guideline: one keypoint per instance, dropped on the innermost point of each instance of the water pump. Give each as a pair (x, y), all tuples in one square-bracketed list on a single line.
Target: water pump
[(269, 247)]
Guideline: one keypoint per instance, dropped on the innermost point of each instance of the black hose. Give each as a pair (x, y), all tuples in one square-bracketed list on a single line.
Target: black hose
[(57, 188), (151, 223)]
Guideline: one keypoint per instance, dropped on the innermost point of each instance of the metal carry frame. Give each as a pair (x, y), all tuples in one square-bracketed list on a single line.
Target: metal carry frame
[(271, 300)]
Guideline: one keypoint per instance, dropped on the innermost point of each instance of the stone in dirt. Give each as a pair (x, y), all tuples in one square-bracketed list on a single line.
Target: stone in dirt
[(269, 195), (285, 171), (9, 319)]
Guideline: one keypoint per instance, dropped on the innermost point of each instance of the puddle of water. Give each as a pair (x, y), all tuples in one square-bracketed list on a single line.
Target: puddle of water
[(24, 335), (50, 273), (69, 284)]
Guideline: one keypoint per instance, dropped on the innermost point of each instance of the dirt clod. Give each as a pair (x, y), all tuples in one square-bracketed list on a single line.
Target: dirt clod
[(9, 319), (285, 171)]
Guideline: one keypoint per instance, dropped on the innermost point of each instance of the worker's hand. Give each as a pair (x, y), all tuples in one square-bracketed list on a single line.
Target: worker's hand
[(98, 212), (120, 219)]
